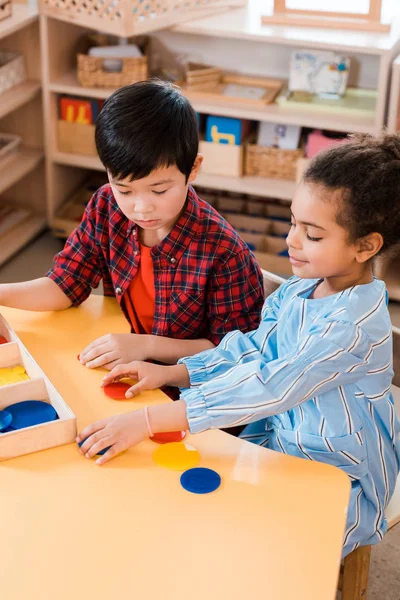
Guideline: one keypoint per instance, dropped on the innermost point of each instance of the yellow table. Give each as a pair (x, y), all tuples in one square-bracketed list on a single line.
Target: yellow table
[(128, 530)]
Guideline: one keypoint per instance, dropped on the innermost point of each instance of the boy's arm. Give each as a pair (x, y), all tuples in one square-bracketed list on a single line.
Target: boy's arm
[(235, 297), (169, 351), (76, 269), (37, 294)]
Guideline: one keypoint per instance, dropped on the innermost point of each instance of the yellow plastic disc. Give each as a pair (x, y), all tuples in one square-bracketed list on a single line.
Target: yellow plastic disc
[(176, 456), (10, 375)]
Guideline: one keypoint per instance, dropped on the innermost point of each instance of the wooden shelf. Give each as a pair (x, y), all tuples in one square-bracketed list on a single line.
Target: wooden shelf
[(245, 24), (18, 96), (19, 236), (17, 165), (68, 84), (23, 15), (84, 161), (257, 186)]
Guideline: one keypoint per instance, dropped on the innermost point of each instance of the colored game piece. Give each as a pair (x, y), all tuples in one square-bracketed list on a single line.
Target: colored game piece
[(31, 412), (3, 340), (167, 437), (176, 456), (12, 375), (200, 480), (5, 419), (98, 453), (116, 390), (79, 357), (7, 429)]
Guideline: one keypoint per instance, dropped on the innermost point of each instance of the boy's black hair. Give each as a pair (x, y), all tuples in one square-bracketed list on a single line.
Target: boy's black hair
[(366, 172), (144, 126)]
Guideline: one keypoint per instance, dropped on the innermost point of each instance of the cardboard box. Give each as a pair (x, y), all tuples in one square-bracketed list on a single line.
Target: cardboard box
[(76, 138), (221, 159)]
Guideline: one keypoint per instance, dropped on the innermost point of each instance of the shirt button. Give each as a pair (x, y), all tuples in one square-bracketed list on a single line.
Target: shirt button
[(135, 252), (173, 260), (118, 290)]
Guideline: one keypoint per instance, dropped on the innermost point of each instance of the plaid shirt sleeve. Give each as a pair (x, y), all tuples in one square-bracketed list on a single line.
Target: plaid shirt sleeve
[(235, 296), (76, 269)]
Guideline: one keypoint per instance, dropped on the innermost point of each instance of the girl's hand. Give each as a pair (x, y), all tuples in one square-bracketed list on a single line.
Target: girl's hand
[(120, 432), (149, 376), (115, 349)]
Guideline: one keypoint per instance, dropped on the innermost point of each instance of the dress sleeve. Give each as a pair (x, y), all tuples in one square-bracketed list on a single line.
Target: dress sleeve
[(76, 269), (251, 387), (237, 347)]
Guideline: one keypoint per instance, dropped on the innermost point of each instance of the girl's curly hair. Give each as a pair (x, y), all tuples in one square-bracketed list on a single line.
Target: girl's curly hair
[(366, 170)]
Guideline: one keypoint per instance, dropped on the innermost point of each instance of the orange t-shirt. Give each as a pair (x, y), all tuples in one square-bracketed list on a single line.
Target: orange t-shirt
[(140, 296)]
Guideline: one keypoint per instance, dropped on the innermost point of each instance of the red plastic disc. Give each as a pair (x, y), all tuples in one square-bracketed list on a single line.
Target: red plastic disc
[(116, 390), (3, 340), (168, 436), (79, 357)]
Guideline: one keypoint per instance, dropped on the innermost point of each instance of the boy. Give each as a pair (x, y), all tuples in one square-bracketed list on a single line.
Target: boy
[(181, 274)]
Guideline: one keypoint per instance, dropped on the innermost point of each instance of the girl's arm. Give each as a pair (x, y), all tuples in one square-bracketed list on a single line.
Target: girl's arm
[(333, 353)]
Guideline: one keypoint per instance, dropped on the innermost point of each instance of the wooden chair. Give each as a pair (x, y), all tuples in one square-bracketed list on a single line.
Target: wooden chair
[(271, 282), (353, 580)]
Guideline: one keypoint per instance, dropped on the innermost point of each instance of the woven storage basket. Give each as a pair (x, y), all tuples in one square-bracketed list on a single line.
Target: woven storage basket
[(12, 70), (91, 72), (274, 163), (5, 9), (132, 17)]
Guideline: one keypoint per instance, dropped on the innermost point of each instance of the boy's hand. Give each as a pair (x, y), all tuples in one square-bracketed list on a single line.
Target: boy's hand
[(114, 349), (120, 432), (149, 376)]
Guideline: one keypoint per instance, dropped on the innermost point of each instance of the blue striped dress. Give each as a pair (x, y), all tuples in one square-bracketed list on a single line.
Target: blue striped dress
[(312, 381)]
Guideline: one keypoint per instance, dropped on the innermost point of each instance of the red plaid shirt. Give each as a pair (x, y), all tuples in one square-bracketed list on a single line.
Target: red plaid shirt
[(207, 282)]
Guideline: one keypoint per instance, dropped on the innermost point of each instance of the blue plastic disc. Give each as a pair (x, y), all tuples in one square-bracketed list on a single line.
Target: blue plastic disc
[(5, 419), (200, 480), (31, 412), (7, 430), (99, 453)]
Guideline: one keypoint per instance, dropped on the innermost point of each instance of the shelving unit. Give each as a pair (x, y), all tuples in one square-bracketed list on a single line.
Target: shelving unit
[(390, 268), (234, 38), (22, 181)]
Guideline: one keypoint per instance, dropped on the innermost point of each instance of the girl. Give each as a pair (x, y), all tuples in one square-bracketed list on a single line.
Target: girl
[(314, 379)]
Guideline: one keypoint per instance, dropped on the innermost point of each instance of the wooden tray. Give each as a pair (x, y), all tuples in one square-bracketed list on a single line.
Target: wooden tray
[(238, 89), (38, 387)]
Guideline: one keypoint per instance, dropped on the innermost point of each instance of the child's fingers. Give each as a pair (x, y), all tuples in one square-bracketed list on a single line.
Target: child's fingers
[(91, 354), (111, 453), (135, 390), (118, 372), (90, 430), (98, 446), (101, 360)]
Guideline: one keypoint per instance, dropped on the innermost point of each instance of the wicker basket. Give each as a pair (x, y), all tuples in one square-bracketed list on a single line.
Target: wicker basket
[(12, 70), (132, 17), (8, 143), (5, 9), (91, 72), (274, 163)]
